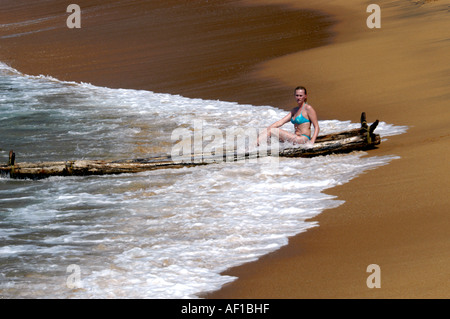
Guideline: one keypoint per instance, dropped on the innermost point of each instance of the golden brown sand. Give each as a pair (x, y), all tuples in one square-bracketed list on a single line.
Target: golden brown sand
[(395, 216)]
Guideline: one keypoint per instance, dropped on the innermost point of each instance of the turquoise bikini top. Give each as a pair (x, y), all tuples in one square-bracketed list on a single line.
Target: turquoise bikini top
[(299, 119)]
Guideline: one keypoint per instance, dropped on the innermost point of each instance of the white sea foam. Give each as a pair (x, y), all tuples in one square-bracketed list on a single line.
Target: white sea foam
[(159, 234)]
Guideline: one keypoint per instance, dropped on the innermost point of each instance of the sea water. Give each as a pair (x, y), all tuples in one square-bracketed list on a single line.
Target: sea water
[(166, 233)]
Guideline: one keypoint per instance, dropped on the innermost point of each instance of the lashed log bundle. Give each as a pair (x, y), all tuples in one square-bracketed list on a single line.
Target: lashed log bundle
[(357, 139)]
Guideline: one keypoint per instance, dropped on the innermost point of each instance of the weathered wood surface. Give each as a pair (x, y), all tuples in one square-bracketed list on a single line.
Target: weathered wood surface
[(358, 139), (363, 138)]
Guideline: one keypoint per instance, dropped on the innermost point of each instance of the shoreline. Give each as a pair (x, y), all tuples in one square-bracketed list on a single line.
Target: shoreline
[(394, 216)]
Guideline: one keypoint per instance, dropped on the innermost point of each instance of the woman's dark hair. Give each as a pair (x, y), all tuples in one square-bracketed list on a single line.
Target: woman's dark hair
[(301, 88)]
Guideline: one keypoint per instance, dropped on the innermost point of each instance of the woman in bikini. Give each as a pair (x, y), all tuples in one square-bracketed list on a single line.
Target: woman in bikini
[(301, 116)]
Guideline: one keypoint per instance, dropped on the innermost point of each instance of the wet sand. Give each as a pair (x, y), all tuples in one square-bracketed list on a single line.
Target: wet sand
[(394, 216), (193, 48)]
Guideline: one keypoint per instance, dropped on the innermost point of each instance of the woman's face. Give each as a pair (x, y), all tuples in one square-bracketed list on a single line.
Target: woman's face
[(300, 96)]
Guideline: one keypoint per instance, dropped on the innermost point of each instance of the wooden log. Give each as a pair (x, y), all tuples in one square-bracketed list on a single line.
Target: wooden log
[(12, 158), (344, 145), (85, 167), (357, 139)]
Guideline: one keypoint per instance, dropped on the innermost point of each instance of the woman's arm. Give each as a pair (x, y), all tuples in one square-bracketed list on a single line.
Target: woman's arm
[(313, 118), (268, 132), (281, 122)]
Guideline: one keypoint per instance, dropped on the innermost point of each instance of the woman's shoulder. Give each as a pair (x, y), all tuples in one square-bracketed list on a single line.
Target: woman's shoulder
[(309, 108)]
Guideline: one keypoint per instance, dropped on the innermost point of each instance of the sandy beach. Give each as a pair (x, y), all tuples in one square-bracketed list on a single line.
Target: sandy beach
[(395, 216)]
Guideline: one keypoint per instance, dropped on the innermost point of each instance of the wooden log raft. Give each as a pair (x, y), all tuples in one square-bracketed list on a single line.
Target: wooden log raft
[(362, 138), (357, 139)]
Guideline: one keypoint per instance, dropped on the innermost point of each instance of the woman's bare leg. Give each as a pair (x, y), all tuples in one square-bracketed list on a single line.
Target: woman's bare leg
[(288, 136), (282, 135)]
